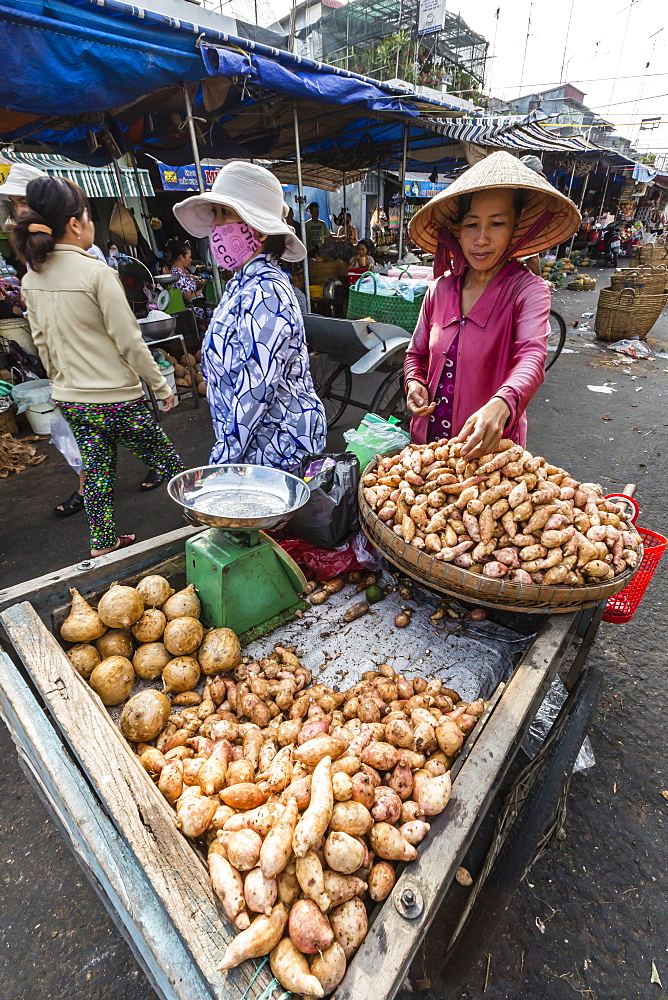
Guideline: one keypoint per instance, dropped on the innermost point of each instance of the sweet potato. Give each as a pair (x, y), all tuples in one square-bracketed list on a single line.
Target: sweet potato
[(311, 879), (387, 805), (433, 794), (194, 812), (242, 848), (291, 969), (339, 888), (329, 967), (495, 570), (343, 852), (309, 929), (260, 892), (243, 796), (415, 831), (228, 886), (315, 819), (277, 846), (379, 755), (389, 844), (351, 817), (349, 924), (259, 939)]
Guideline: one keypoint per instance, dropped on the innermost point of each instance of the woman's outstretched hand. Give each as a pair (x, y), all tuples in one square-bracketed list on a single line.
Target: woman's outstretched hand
[(483, 430), (417, 399)]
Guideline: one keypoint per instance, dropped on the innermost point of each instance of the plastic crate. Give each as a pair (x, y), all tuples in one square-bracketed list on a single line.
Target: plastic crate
[(622, 606)]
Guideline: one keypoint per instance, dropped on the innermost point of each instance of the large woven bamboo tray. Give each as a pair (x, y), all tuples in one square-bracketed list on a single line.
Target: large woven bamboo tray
[(456, 582)]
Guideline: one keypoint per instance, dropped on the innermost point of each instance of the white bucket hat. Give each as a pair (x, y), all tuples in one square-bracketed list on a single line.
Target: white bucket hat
[(18, 178), (257, 197)]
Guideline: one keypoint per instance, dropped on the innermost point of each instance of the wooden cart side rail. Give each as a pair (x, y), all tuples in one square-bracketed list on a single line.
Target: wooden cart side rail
[(142, 817), (104, 855), (384, 957), (53, 589)]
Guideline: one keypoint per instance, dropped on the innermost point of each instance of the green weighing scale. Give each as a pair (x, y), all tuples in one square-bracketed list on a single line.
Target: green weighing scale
[(244, 579)]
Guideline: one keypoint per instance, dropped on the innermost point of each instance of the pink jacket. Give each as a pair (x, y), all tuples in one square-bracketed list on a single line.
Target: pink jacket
[(501, 351)]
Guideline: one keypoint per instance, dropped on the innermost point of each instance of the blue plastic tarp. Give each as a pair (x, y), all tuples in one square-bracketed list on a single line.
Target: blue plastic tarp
[(303, 82), (52, 66)]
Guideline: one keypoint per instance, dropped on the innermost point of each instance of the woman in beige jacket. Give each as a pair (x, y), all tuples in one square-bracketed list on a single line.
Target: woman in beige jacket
[(90, 345)]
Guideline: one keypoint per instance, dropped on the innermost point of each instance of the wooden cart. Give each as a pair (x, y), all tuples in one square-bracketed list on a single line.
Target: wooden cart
[(156, 886)]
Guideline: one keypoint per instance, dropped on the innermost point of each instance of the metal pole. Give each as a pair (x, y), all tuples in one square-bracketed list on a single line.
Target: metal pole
[(200, 180), (402, 196), (119, 181), (585, 185), (605, 190), (146, 215), (121, 195), (570, 183), (345, 208), (301, 200)]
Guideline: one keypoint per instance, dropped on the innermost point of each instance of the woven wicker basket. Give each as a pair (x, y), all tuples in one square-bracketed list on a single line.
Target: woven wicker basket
[(648, 280), (456, 582), (628, 313), (650, 253), (584, 286), (8, 421)]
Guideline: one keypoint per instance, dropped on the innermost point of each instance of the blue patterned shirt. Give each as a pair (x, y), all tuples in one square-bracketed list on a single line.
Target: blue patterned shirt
[(264, 408)]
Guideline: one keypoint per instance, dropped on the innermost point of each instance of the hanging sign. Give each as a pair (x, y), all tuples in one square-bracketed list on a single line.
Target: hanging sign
[(424, 189), (431, 16), (185, 178)]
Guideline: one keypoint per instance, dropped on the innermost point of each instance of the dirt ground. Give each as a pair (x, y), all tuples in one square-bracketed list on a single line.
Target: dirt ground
[(590, 919)]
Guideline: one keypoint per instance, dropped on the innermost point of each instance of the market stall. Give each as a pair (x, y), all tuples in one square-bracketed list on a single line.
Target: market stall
[(366, 713)]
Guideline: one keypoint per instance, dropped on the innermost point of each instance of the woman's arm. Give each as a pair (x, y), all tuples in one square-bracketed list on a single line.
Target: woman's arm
[(416, 363), (527, 371), (186, 292), (484, 429), (40, 341), (244, 372), (122, 327)]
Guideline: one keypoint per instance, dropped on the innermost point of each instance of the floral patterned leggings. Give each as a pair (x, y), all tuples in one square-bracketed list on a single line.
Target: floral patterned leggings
[(98, 428)]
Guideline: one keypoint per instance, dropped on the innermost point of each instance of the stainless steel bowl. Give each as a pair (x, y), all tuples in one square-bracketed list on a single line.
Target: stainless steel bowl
[(157, 329), (245, 497)]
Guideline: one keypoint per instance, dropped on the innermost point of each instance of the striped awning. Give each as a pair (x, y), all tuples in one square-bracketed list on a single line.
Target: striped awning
[(96, 182), (508, 135)]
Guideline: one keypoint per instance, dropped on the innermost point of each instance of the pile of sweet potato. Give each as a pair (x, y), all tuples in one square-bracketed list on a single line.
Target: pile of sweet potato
[(306, 798), (506, 515)]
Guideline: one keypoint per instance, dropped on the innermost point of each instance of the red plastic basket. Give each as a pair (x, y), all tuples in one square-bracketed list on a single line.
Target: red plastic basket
[(622, 606)]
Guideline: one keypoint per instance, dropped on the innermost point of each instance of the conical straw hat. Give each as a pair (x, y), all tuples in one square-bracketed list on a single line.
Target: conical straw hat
[(499, 170)]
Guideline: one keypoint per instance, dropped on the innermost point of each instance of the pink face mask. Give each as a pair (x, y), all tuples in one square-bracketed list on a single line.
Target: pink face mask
[(234, 244)]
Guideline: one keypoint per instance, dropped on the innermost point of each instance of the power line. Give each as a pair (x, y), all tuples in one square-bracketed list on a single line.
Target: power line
[(568, 31), (633, 100), (621, 51), (526, 45), (580, 79)]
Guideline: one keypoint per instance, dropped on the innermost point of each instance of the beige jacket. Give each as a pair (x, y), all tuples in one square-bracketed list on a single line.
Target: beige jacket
[(85, 332)]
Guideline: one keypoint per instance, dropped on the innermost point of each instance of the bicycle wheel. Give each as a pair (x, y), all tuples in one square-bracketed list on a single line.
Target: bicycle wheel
[(390, 400), (556, 338), (333, 383)]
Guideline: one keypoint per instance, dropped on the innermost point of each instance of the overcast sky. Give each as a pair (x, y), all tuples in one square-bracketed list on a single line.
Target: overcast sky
[(607, 42)]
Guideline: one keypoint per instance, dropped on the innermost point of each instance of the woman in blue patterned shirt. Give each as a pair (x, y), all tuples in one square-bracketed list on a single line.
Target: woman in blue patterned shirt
[(264, 408)]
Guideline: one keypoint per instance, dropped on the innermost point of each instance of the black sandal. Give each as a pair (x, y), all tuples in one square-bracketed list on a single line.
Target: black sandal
[(153, 479), (72, 505)]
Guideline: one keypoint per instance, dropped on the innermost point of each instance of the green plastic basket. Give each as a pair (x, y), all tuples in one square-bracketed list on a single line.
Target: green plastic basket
[(384, 308)]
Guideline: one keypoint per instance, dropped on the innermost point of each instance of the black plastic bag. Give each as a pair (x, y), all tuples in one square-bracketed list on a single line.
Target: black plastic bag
[(330, 515)]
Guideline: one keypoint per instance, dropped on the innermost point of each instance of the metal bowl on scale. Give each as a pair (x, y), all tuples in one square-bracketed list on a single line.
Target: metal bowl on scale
[(238, 497)]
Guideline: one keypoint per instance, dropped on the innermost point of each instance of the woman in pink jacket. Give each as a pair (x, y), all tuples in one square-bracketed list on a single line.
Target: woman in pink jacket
[(479, 348)]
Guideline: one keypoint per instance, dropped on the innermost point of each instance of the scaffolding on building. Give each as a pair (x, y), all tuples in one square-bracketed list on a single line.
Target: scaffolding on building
[(455, 55)]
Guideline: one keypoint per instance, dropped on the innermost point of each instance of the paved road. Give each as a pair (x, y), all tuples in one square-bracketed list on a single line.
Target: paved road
[(591, 916)]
